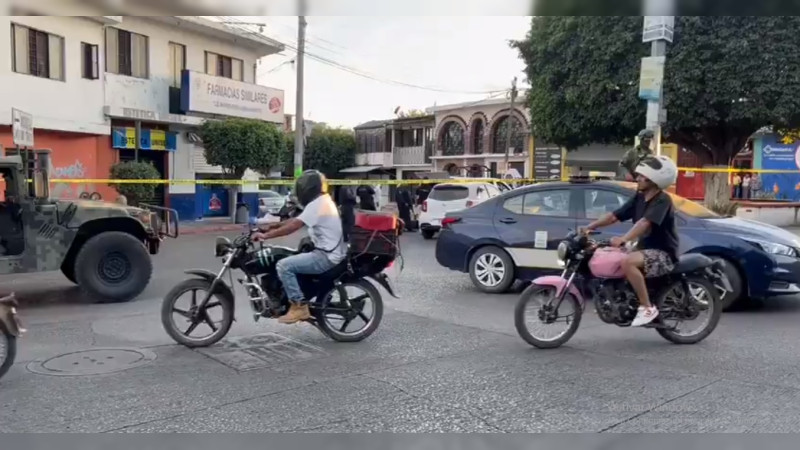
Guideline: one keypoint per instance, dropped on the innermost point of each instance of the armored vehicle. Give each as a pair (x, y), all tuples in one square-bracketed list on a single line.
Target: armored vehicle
[(103, 247)]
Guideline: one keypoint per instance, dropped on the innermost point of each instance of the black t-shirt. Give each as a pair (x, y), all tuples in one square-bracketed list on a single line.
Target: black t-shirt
[(659, 211)]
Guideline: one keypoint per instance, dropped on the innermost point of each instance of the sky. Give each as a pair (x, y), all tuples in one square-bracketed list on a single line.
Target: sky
[(469, 54)]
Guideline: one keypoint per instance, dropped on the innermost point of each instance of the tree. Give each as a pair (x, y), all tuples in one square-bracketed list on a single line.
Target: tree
[(240, 144), (135, 170), (330, 150), (725, 78)]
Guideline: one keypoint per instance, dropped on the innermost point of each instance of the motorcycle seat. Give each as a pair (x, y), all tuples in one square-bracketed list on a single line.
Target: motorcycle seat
[(691, 261)]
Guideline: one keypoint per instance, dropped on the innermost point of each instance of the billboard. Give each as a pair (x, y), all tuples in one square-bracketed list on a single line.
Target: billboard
[(209, 94)]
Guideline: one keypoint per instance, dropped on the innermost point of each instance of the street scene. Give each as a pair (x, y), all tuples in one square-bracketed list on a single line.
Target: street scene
[(445, 359), (280, 224)]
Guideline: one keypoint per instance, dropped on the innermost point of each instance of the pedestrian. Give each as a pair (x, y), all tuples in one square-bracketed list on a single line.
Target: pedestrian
[(404, 202), (347, 204), (366, 196), (746, 186), (632, 157), (737, 186)]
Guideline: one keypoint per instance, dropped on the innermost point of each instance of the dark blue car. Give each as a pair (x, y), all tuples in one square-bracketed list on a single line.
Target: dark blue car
[(514, 237)]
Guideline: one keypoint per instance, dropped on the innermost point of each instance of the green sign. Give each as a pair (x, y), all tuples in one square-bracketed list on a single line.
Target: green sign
[(298, 171)]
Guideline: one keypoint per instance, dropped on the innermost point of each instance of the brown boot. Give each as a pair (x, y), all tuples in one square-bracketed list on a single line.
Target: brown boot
[(297, 312)]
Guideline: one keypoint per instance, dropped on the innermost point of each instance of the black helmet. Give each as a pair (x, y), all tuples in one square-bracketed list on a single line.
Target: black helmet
[(310, 185), (646, 134)]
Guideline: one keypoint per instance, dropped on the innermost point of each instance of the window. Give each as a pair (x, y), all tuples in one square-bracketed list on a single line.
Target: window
[(541, 203), (224, 66), (493, 190), (37, 53), (177, 63), (598, 202), (449, 193), (90, 69), (126, 53)]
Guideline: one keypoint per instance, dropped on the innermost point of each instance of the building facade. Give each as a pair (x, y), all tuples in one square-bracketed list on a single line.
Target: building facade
[(105, 89)]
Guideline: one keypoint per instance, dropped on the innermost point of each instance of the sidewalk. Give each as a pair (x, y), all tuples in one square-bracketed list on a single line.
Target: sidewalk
[(206, 226)]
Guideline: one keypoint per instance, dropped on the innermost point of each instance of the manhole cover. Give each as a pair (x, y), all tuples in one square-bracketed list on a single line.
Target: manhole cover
[(97, 361), (260, 351)]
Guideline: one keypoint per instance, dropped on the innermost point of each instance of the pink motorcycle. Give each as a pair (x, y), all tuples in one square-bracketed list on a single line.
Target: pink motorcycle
[(593, 271)]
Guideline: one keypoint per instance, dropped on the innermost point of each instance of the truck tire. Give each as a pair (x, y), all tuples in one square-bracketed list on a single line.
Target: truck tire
[(113, 267), (68, 269)]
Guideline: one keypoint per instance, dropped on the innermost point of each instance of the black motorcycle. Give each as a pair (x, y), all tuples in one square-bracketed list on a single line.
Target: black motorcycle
[(327, 292)]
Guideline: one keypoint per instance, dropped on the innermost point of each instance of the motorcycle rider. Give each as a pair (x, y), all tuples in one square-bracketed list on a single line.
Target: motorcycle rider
[(321, 216), (653, 215)]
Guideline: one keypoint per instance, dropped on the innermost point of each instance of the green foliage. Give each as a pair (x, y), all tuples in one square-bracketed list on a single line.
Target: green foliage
[(132, 170), (330, 150), (287, 160), (240, 144), (726, 77)]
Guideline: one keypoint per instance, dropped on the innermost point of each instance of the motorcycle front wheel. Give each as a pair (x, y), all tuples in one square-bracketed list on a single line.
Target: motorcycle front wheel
[(8, 350), (543, 314), (175, 312)]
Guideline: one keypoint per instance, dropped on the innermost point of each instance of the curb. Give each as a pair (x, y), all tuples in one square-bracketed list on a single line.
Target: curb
[(195, 229)]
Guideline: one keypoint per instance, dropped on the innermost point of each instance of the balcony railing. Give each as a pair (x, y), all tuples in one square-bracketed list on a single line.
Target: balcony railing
[(407, 156)]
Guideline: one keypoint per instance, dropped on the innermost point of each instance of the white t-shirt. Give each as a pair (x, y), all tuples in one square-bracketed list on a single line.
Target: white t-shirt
[(325, 227)]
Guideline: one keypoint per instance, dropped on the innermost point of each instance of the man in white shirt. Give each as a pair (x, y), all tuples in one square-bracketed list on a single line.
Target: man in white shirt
[(321, 216)]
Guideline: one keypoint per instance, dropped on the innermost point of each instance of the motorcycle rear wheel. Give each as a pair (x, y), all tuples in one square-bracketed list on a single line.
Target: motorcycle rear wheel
[(370, 326), (168, 309), (519, 317), (9, 350), (715, 315)]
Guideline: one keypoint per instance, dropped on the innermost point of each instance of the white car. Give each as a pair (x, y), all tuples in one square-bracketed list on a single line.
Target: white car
[(448, 197), (270, 202)]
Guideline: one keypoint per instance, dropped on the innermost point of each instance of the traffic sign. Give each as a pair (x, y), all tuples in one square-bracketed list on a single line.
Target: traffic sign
[(22, 128)]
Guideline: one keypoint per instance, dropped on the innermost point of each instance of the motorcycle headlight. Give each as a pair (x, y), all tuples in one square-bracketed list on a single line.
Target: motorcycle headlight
[(773, 248), (562, 251)]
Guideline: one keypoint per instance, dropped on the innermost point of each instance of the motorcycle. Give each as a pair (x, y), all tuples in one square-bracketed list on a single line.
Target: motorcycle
[(326, 292), (10, 329), (592, 270)]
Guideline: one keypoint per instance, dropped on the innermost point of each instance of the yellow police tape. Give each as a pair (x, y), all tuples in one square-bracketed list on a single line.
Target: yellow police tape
[(382, 182)]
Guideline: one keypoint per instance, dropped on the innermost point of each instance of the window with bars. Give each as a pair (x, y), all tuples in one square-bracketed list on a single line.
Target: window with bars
[(37, 53), (127, 53), (224, 66)]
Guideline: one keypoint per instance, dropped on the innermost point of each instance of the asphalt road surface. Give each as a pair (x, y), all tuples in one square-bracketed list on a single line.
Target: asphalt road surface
[(445, 359)]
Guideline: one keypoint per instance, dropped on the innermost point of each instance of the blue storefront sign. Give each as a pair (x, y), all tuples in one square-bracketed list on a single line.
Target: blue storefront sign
[(777, 155), (158, 140)]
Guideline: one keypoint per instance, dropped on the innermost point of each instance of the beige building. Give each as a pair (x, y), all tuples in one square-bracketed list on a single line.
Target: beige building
[(471, 138)]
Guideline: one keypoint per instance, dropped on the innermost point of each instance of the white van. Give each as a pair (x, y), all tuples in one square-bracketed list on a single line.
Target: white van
[(448, 197)]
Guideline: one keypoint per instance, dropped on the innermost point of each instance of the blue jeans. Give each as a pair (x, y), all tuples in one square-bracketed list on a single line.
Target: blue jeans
[(313, 263)]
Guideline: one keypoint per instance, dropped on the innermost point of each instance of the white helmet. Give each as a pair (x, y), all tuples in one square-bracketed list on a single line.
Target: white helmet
[(660, 169)]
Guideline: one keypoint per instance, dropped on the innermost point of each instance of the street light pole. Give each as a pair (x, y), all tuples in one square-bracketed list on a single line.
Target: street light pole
[(658, 30), (509, 121), (299, 135)]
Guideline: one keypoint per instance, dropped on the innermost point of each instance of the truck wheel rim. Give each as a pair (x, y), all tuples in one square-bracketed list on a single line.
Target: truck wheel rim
[(114, 267)]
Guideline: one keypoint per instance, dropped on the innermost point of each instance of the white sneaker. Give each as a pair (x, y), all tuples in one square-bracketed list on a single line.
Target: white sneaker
[(645, 316)]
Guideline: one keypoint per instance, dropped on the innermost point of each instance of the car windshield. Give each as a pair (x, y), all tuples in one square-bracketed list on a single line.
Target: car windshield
[(449, 193)]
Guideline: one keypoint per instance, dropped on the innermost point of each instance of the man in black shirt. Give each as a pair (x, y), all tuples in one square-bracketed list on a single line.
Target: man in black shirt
[(653, 216)]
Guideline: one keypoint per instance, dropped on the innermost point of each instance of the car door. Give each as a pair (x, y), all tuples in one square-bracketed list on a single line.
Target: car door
[(533, 223), (594, 202)]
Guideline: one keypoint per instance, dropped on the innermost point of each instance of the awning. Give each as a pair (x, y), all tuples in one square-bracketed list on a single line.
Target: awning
[(360, 169)]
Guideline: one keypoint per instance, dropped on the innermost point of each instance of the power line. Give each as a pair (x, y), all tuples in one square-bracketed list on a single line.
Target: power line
[(367, 75)]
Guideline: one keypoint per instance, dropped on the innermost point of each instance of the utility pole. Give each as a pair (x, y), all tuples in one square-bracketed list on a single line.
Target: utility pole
[(299, 136), (509, 121), (658, 30)]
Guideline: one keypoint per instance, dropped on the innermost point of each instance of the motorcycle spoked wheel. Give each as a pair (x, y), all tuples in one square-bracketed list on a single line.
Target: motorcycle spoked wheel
[(8, 350), (353, 313), (713, 303), (549, 292), (192, 316)]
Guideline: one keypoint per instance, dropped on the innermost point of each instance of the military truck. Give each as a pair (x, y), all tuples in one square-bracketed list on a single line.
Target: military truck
[(102, 247)]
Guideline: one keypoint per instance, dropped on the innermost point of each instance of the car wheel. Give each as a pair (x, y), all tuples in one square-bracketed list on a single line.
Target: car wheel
[(735, 298), (428, 234), (113, 267), (491, 270)]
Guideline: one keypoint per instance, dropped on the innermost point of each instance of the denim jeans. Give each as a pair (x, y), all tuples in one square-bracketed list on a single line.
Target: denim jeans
[(313, 263)]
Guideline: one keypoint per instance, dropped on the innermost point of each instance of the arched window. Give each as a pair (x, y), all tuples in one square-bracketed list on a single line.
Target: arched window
[(452, 139), (500, 135)]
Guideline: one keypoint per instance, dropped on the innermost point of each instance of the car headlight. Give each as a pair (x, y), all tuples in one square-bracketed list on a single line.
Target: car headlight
[(773, 247), (562, 251)]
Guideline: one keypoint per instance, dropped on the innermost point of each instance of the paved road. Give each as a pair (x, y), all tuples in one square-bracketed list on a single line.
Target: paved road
[(445, 359)]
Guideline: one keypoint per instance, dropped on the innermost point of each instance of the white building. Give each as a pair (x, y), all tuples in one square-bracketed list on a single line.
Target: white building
[(91, 81)]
